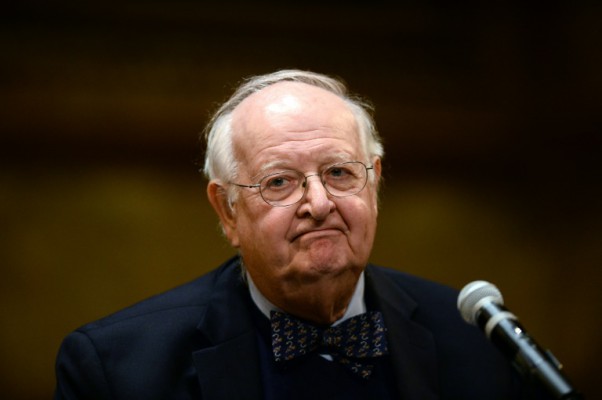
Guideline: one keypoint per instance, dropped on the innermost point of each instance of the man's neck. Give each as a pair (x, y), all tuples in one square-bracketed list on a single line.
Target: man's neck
[(356, 305)]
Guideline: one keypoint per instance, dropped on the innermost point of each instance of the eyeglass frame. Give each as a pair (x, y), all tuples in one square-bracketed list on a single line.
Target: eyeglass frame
[(304, 182)]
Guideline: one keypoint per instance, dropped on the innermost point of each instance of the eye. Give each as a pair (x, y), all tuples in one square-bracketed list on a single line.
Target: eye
[(280, 181), (338, 173), (276, 182)]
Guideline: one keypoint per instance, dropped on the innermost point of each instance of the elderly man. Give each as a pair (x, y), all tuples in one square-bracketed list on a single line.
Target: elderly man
[(294, 164)]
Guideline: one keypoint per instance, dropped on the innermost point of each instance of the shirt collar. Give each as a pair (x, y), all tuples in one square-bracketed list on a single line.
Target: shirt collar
[(356, 306)]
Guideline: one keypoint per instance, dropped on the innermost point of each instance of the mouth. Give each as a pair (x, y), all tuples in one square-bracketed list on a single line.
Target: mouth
[(317, 233)]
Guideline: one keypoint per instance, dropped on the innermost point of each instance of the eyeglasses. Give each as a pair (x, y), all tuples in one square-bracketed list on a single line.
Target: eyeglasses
[(285, 188)]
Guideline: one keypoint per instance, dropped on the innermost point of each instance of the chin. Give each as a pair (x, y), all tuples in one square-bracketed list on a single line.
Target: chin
[(329, 265), (325, 258)]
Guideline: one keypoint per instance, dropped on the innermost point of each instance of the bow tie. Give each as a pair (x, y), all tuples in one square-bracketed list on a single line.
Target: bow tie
[(353, 343)]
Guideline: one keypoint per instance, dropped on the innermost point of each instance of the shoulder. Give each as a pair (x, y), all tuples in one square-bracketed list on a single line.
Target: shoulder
[(465, 358), (429, 303), (144, 348), (425, 293), (178, 306), (408, 281)]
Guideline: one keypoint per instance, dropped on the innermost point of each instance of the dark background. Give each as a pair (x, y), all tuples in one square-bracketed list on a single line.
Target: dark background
[(490, 116)]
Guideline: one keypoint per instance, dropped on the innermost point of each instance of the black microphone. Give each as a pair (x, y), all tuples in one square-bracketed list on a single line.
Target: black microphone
[(481, 304)]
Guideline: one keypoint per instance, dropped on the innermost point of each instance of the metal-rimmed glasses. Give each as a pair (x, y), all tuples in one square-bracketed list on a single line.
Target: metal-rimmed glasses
[(288, 187)]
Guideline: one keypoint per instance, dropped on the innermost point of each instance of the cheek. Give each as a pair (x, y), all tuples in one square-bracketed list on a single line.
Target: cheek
[(361, 220), (259, 230)]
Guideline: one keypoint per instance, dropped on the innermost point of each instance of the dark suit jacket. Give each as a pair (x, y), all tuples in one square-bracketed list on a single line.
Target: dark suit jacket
[(199, 341)]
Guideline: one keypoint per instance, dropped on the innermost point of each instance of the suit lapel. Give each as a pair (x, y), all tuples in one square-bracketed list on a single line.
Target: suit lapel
[(230, 370), (229, 367), (412, 347)]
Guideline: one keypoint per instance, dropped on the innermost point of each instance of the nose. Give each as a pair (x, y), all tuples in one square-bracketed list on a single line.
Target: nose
[(317, 202)]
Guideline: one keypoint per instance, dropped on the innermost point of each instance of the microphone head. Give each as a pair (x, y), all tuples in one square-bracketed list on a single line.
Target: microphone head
[(471, 297)]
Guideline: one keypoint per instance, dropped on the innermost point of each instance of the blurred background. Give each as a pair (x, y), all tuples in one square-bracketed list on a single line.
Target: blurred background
[(491, 117)]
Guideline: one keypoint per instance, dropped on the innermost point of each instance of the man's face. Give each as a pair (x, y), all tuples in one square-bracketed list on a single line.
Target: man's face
[(314, 250)]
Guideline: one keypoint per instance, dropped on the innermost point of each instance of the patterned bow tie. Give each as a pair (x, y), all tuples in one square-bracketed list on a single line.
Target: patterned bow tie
[(353, 343)]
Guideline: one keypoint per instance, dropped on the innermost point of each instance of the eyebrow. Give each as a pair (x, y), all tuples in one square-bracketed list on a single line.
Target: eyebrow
[(280, 165), (269, 168)]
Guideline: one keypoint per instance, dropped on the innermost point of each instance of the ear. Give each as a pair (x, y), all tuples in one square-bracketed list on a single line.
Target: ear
[(218, 197), (377, 170)]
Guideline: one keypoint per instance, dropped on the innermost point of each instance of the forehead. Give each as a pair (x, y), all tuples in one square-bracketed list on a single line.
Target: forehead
[(291, 117)]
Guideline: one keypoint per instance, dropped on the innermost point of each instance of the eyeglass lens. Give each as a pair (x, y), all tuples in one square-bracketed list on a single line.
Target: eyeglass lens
[(288, 187)]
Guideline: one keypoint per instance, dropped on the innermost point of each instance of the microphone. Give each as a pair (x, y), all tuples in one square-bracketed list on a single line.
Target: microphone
[(481, 304)]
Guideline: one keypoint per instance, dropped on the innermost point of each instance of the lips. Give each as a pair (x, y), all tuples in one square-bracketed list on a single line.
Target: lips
[(324, 231)]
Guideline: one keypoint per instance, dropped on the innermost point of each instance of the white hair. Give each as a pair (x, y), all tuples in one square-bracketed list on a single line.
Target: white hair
[(220, 162)]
